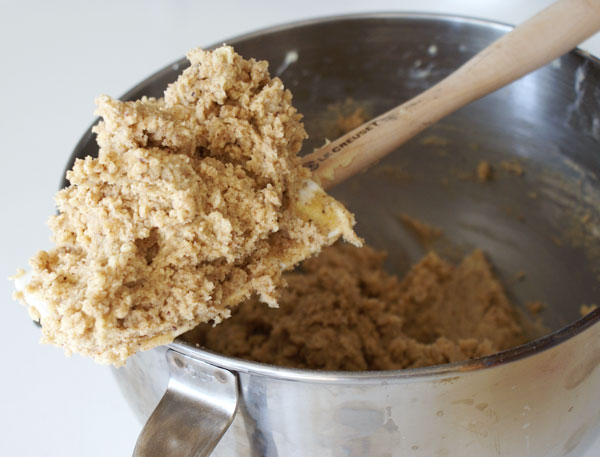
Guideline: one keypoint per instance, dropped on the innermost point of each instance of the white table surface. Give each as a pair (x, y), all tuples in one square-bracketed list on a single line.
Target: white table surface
[(56, 57)]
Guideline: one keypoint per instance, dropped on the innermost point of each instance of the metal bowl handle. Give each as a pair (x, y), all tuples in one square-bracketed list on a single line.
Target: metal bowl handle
[(193, 414)]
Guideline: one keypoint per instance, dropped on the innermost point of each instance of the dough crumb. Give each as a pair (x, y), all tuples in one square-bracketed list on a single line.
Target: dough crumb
[(196, 202), (342, 311), (584, 310), (425, 234), (339, 118), (513, 167), (351, 121), (485, 171), (535, 307)]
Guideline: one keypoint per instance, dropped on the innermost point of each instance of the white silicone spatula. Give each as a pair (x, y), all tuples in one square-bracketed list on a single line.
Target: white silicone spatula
[(538, 41)]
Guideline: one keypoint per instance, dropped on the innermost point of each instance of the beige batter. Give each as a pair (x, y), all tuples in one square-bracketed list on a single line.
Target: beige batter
[(196, 202), (342, 311)]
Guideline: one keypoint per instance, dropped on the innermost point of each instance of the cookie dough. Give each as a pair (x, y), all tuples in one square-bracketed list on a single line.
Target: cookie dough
[(485, 171), (424, 233), (196, 202), (342, 311)]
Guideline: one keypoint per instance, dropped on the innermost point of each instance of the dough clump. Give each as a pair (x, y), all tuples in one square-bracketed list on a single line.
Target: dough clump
[(196, 202), (342, 311)]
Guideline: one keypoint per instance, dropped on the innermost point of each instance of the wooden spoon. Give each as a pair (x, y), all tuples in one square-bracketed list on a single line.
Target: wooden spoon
[(538, 41)]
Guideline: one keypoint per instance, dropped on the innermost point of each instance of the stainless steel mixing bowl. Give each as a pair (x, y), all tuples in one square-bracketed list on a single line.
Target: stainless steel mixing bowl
[(540, 399)]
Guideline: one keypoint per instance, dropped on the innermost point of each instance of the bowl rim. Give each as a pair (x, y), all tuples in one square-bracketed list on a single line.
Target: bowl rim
[(428, 373)]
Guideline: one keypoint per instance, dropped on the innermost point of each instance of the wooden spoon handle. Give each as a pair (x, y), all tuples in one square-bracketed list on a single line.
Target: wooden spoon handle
[(541, 39)]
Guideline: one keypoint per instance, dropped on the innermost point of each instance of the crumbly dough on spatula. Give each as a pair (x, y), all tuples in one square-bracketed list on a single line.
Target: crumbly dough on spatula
[(196, 202)]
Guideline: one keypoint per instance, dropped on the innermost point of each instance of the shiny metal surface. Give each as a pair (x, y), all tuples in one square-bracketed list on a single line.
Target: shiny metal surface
[(194, 412), (540, 399), (543, 405)]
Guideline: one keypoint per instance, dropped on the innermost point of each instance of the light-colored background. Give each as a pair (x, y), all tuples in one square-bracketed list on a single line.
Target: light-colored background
[(56, 57)]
